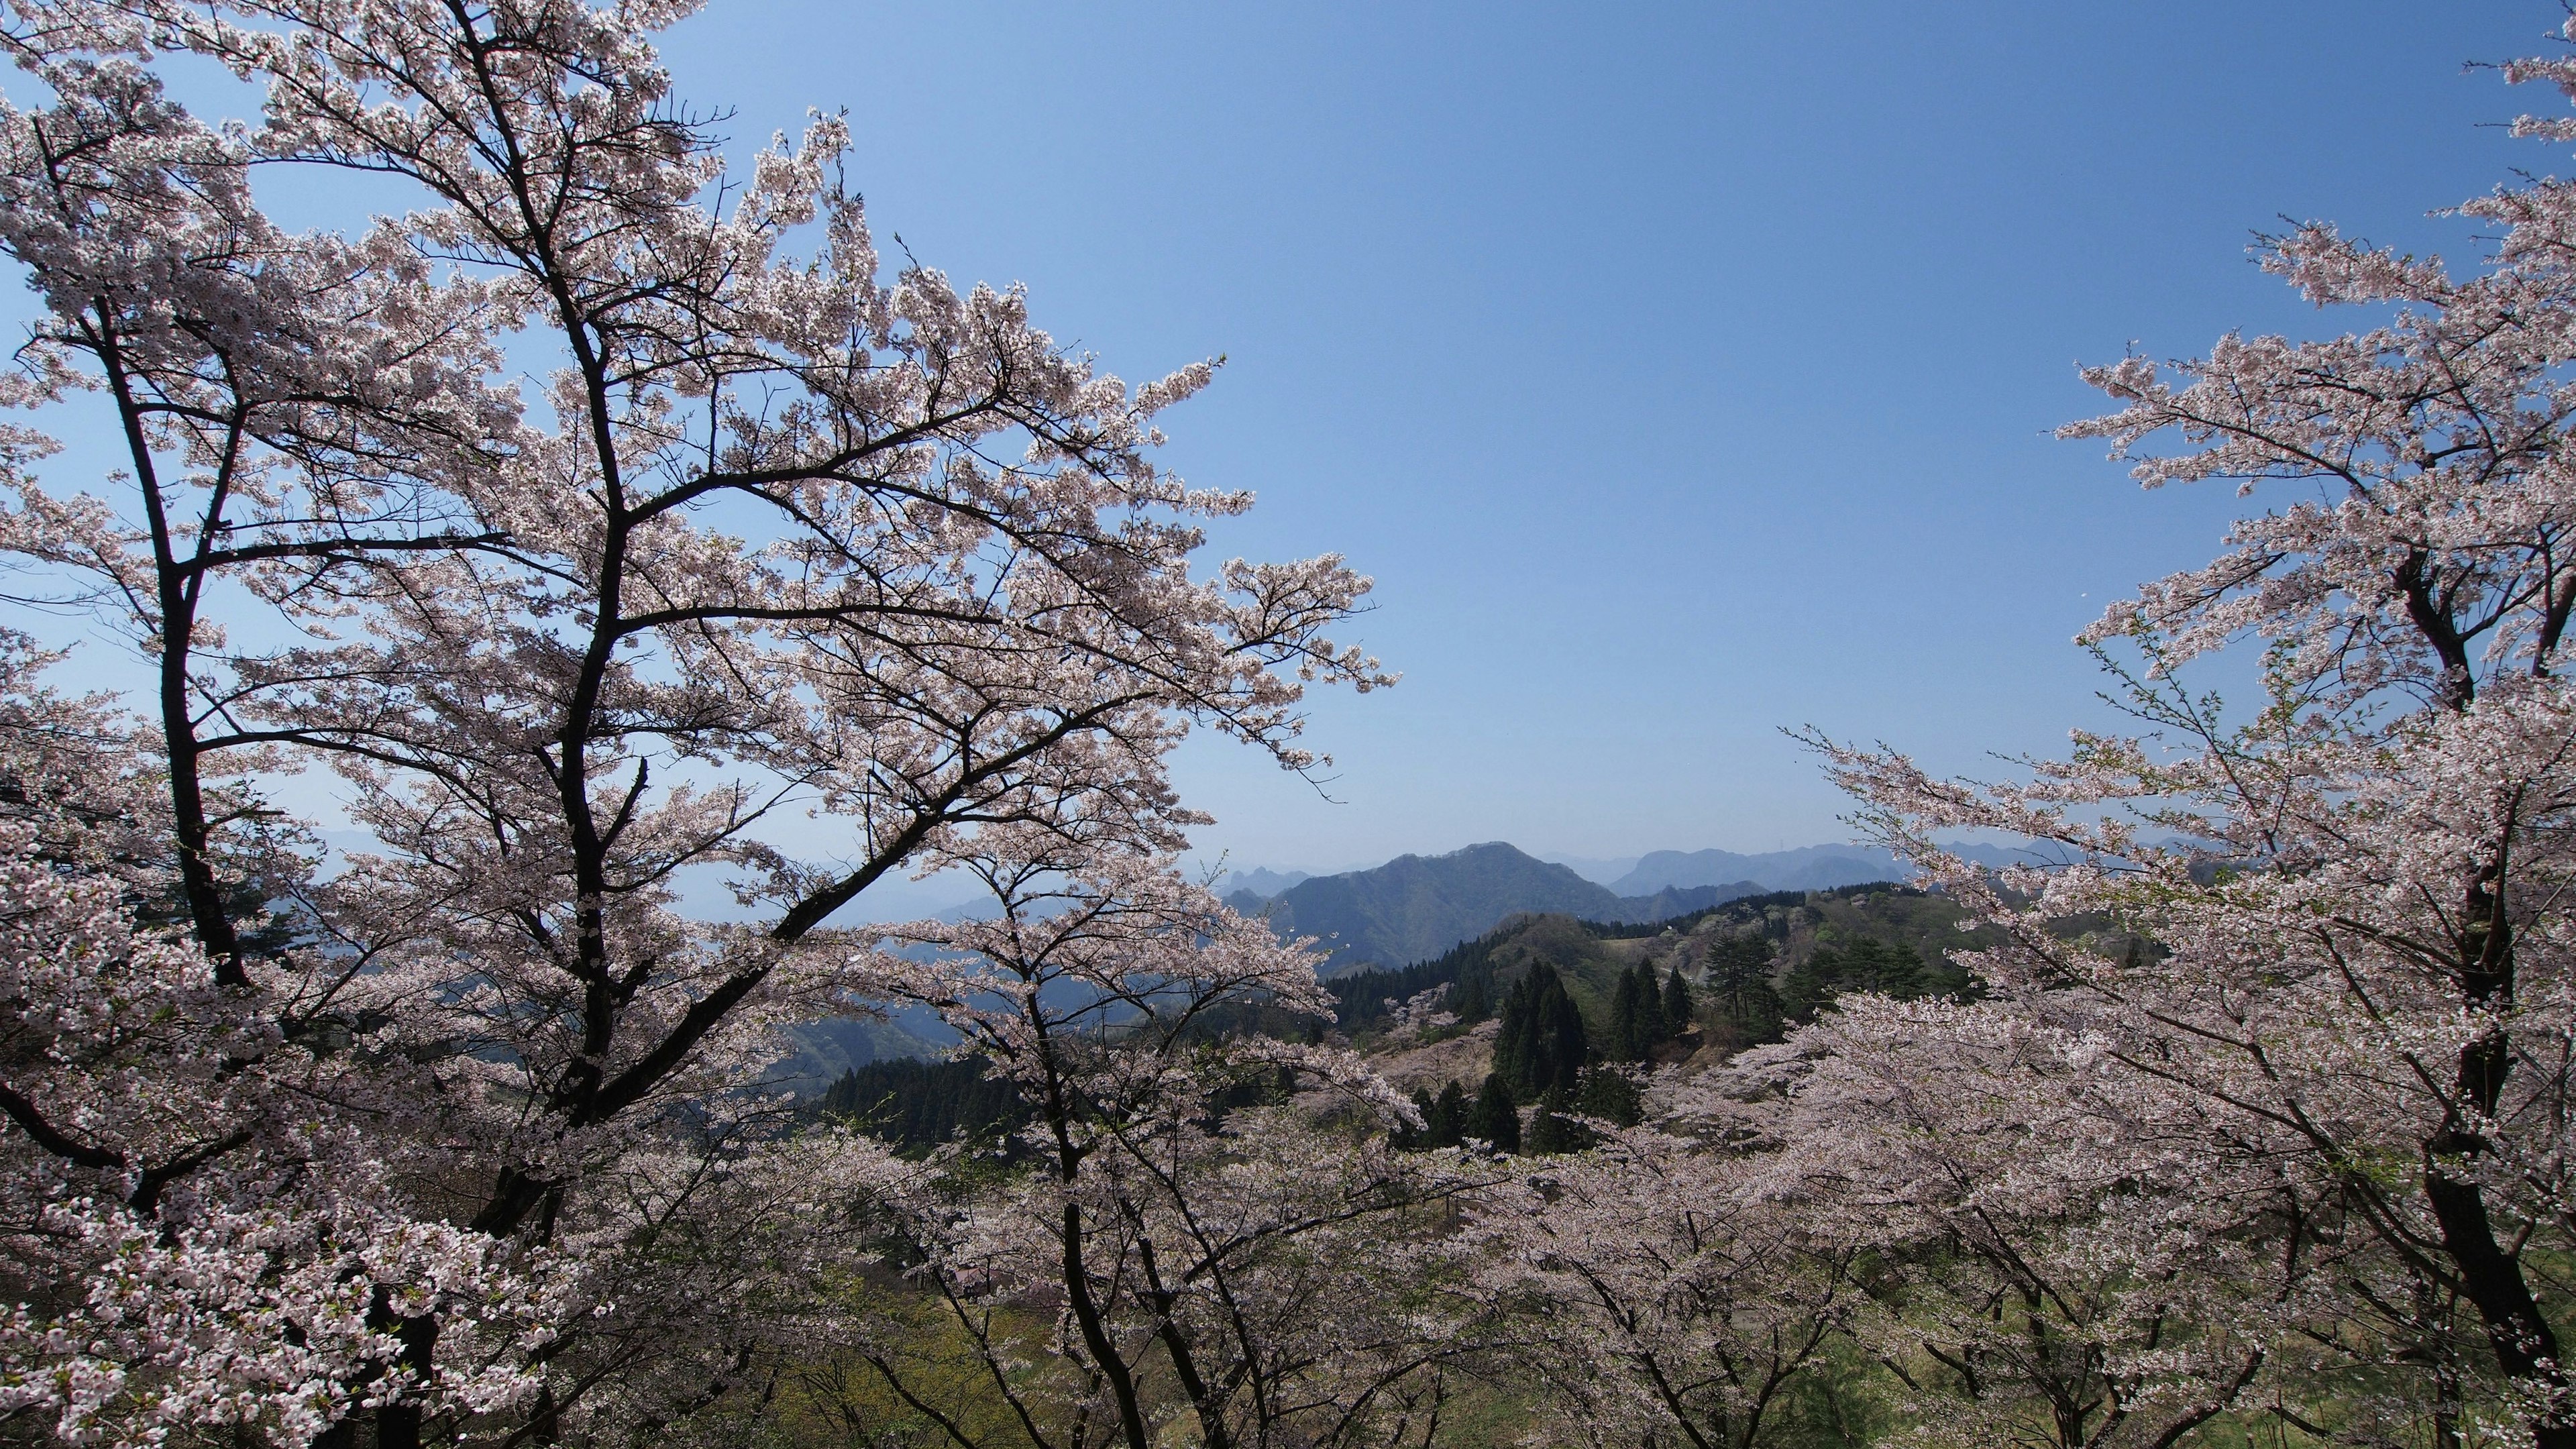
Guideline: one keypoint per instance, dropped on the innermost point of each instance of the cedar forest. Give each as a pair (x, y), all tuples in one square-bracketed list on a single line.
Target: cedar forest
[(2243, 1120)]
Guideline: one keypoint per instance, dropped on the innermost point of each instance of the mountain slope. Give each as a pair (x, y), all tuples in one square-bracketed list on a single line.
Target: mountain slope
[(1263, 882), (1808, 868), (1414, 907)]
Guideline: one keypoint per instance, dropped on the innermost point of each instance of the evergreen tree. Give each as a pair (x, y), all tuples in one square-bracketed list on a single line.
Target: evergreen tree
[(916, 1104), (1637, 1022), (1897, 970), (1812, 982), (1740, 990), (1541, 1043), (1677, 1003), (1552, 1131), (1472, 998), (1497, 1115), (1512, 1041), (1447, 1119), (1612, 1096), (1650, 1009), (1890, 968), (1627, 1034), (1410, 1139)]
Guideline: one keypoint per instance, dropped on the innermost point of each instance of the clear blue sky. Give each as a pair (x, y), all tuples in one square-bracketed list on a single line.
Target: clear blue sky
[(1679, 371)]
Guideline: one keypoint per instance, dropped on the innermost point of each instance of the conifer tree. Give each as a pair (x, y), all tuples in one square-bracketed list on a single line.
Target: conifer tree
[(1627, 1034), (1472, 998), (1895, 969), (1497, 1115), (1651, 1027), (1677, 1003), (1551, 1131), (1448, 1118), (1612, 1096), (1740, 989), (1541, 1043), (1410, 1139), (1814, 982)]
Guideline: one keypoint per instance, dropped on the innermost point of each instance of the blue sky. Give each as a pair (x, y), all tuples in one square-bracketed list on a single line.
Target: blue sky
[(1679, 371)]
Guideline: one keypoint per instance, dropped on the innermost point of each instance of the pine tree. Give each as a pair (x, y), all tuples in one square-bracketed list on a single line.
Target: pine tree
[(1651, 1028), (1898, 971), (1552, 1131), (1541, 1043), (1815, 982), (1497, 1115), (1612, 1096), (1740, 990), (1627, 1034), (1677, 1003), (1447, 1126)]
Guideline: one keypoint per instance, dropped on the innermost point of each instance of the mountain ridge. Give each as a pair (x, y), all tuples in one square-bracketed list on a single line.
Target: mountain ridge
[(1414, 907), (1807, 867)]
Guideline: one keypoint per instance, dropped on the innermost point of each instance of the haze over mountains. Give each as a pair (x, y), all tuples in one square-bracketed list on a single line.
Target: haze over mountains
[(1410, 909), (1415, 907), (1808, 868)]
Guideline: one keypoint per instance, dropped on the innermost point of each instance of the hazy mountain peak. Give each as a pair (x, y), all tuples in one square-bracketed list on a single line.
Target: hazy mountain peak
[(1260, 881), (1805, 868), (1416, 906)]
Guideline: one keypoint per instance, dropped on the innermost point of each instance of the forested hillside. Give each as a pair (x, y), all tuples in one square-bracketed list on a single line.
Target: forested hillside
[(1804, 947), (1414, 907), (1750, 969)]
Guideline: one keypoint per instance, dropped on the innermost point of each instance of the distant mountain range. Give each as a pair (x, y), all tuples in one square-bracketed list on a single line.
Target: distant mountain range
[(1262, 883), (1808, 868), (1414, 907)]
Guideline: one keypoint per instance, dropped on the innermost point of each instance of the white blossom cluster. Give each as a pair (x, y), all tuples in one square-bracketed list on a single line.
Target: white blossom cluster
[(467, 1135)]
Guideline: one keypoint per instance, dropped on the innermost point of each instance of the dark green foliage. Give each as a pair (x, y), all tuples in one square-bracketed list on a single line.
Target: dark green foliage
[(1444, 1120), (1552, 1131), (915, 1104), (1550, 1134), (1541, 1044), (1496, 1116), (1626, 1043), (1472, 999), (1471, 969), (1651, 1028), (1889, 968), (1410, 1139), (1448, 1117), (1644, 1016), (1740, 995), (1612, 1096), (1360, 997)]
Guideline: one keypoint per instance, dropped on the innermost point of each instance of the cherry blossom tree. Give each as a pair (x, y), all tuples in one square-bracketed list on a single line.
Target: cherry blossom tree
[(1660, 1289), (2026, 1285), (473, 1133), (188, 1245), (1222, 1207), (2345, 979)]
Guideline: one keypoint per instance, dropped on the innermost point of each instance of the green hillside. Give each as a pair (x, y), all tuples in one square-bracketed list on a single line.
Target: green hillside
[(1415, 907), (1806, 944)]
